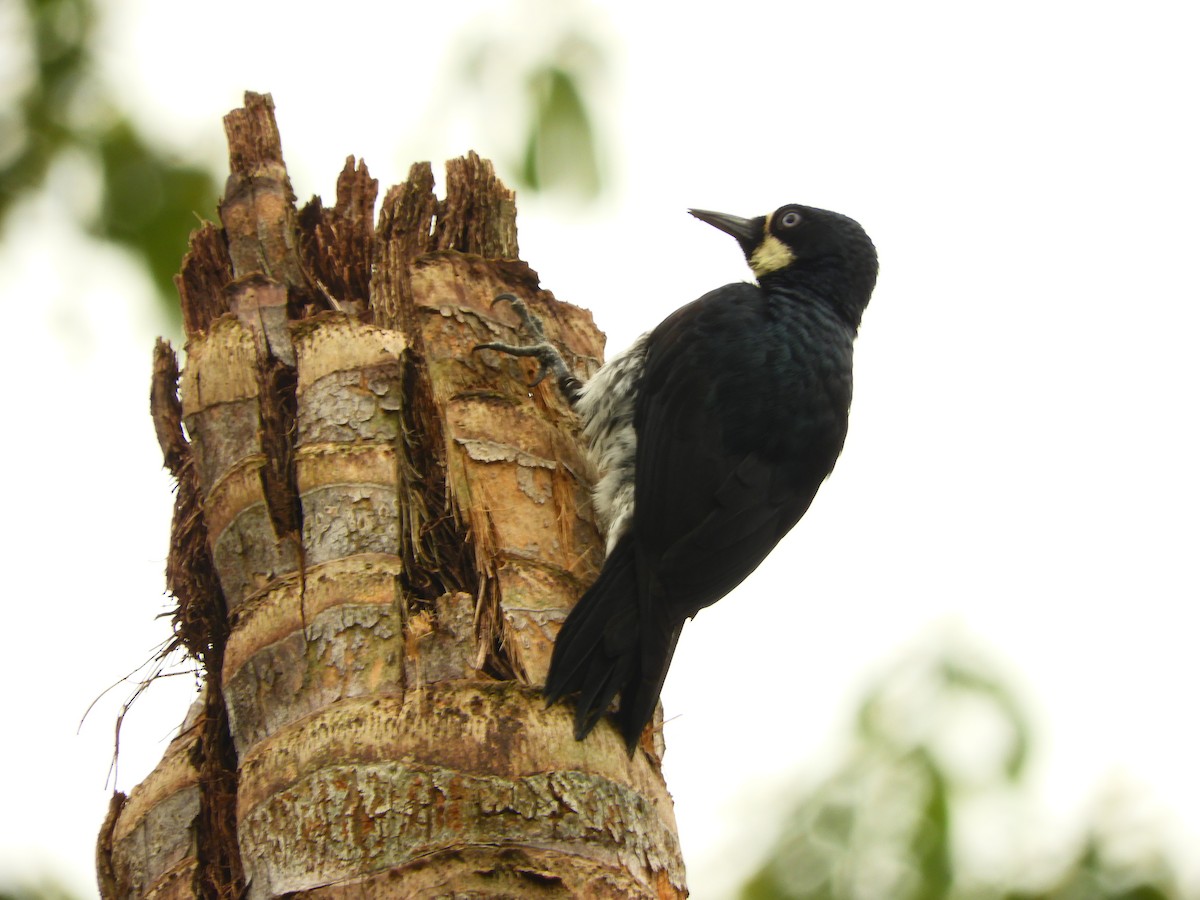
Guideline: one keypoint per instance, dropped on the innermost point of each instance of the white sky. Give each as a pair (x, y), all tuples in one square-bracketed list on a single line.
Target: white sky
[(1021, 469)]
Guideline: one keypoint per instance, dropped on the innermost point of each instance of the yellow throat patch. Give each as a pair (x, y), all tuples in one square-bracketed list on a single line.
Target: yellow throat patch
[(770, 256)]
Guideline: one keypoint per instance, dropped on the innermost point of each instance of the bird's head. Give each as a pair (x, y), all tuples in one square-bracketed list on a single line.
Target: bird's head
[(822, 250)]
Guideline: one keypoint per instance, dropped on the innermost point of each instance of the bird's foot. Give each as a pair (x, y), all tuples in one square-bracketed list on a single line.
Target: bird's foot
[(549, 360)]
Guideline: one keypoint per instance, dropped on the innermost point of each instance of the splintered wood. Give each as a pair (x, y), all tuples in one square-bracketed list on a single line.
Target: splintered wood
[(377, 534)]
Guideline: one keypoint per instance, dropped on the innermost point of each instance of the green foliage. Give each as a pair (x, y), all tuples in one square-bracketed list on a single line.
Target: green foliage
[(38, 125), (972, 680), (882, 825), (1093, 877), (46, 889), (150, 200), (560, 150), (540, 64)]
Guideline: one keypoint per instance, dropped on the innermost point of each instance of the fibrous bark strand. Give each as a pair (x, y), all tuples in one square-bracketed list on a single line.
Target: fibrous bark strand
[(336, 244)]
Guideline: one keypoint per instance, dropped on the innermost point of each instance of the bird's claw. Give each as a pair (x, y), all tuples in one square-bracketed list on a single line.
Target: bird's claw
[(548, 358), (541, 349), (544, 353), (529, 320)]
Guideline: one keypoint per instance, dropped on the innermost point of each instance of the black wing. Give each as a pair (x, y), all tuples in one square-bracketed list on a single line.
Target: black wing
[(734, 429)]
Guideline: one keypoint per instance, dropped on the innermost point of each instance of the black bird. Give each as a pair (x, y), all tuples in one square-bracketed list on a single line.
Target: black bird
[(712, 434)]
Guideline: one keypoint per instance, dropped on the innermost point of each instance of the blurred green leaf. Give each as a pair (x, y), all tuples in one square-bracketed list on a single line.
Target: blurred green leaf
[(883, 823), (929, 841), (43, 889), (57, 33), (1001, 697), (150, 200), (560, 151), (535, 66)]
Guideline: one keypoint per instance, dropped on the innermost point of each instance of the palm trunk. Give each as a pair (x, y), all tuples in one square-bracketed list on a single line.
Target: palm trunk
[(377, 535)]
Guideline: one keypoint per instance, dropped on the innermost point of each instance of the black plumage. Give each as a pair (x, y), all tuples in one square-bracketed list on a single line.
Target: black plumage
[(739, 404)]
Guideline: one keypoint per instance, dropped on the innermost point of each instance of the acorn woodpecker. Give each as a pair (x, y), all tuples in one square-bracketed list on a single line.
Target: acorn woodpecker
[(711, 434)]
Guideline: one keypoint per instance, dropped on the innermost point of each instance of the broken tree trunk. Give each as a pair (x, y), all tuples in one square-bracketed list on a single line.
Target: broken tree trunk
[(377, 534)]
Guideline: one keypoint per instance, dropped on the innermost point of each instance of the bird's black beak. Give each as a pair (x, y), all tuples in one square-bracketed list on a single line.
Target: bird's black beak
[(747, 231)]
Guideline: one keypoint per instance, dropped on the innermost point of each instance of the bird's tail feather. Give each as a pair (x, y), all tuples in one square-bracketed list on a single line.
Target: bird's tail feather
[(572, 663), (638, 702), (606, 647)]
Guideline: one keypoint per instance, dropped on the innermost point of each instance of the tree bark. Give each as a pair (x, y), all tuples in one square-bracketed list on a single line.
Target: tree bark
[(377, 535)]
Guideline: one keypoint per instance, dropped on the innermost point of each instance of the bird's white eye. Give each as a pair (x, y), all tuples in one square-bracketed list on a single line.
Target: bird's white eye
[(790, 219)]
